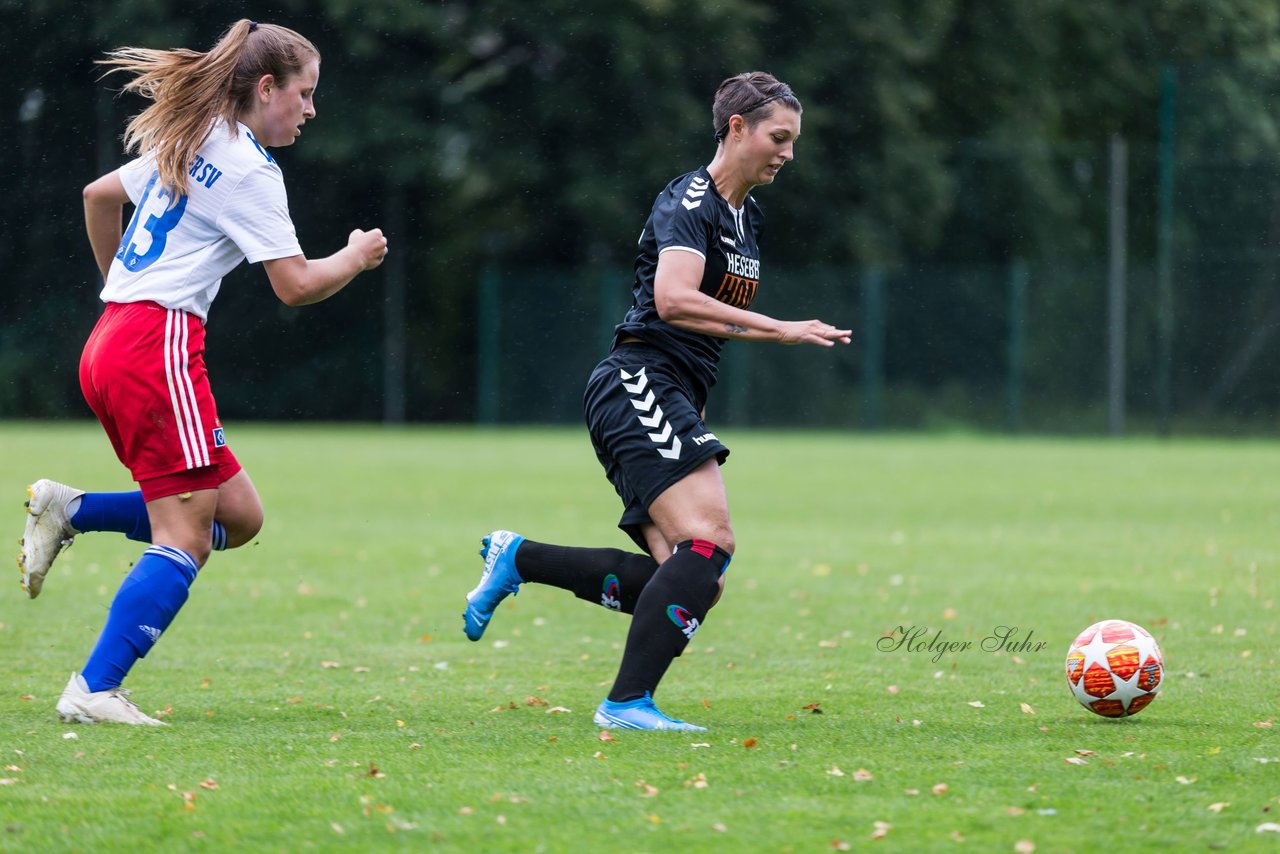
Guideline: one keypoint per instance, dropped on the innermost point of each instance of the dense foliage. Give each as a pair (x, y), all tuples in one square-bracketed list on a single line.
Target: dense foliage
[(531, 138)]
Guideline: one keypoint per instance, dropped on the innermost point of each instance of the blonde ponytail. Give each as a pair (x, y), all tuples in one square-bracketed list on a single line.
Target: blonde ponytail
[(189, 89)]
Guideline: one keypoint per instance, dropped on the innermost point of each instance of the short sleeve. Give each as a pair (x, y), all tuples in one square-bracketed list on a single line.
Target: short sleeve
[(256, 217), (684, 219), (135, 174)]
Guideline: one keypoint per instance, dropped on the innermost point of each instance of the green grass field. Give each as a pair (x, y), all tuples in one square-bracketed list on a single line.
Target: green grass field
[(321, 694)]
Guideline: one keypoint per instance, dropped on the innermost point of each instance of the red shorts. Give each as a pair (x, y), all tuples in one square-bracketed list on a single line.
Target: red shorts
[(143, 374)]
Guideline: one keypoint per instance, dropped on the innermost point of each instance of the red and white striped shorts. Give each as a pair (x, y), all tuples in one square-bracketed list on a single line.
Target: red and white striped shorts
[(143, 374)]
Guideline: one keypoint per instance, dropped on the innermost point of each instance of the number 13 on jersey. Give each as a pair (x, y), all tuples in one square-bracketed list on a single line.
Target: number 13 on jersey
[(159, 214)]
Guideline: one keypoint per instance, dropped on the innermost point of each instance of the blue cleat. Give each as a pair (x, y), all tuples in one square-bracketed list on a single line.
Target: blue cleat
[(641, 714), (498, 580)]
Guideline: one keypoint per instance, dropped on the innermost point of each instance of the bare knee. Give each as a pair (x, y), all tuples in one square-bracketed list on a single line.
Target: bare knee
[(200, 552), (239, 510), (726, 541), (189, 541), (243, 526), (721, 535)]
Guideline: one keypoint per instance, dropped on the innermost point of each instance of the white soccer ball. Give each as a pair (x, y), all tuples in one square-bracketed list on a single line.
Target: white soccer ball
[(1114, 668)]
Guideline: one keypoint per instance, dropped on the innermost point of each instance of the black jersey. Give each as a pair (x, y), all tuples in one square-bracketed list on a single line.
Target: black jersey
[(690, 214)]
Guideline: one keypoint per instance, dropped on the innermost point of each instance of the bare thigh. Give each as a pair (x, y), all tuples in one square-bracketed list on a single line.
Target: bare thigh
[(239, 509), (184, 521), (695, 506)]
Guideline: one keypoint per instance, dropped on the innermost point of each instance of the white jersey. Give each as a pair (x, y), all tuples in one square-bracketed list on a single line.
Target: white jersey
[(175, 252)]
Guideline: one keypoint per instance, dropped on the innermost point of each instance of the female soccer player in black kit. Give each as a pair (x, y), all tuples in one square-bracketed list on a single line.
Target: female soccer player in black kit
[(697, 273)]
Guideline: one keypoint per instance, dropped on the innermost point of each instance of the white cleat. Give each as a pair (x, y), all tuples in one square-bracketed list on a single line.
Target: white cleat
[(48, 531), (79, 705)]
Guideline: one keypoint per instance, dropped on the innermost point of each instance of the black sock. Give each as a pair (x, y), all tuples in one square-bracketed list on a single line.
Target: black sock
[(609, 577), (670, 610)]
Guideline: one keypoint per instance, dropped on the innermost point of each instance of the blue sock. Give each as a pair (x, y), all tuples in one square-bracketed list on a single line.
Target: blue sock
[(125, 513), (145, 605)]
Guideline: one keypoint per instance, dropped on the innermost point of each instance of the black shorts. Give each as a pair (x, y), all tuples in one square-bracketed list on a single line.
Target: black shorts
[(646, 428)]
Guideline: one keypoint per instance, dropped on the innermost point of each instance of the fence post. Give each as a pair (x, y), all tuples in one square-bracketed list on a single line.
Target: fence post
[(1017, 344), (873, 320), (1117, 290), (489, 346), (1164, 251), (393, 314)]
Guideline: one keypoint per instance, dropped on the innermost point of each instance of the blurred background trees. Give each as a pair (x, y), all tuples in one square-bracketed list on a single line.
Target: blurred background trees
[(954, 160)]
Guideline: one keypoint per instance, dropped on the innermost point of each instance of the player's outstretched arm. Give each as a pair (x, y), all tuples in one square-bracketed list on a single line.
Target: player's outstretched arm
[(681, 303), (104, 202), (299, 281)]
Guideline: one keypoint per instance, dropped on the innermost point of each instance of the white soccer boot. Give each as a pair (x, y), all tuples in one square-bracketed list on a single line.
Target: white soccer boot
[(48, 531), (80, 705)]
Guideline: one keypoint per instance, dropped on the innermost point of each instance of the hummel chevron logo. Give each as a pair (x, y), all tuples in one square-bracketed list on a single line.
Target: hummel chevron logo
[(663, 435), (640, 381), (151, 632), (653, 420), (643, 405), (650, 414), (693, 195)]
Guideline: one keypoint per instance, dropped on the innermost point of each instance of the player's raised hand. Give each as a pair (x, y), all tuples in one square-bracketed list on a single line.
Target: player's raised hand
[(813, 332), (371, 246)]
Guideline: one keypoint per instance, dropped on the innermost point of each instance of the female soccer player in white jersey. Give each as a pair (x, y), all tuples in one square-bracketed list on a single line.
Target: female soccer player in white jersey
[(207, 195), (697, 272)]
